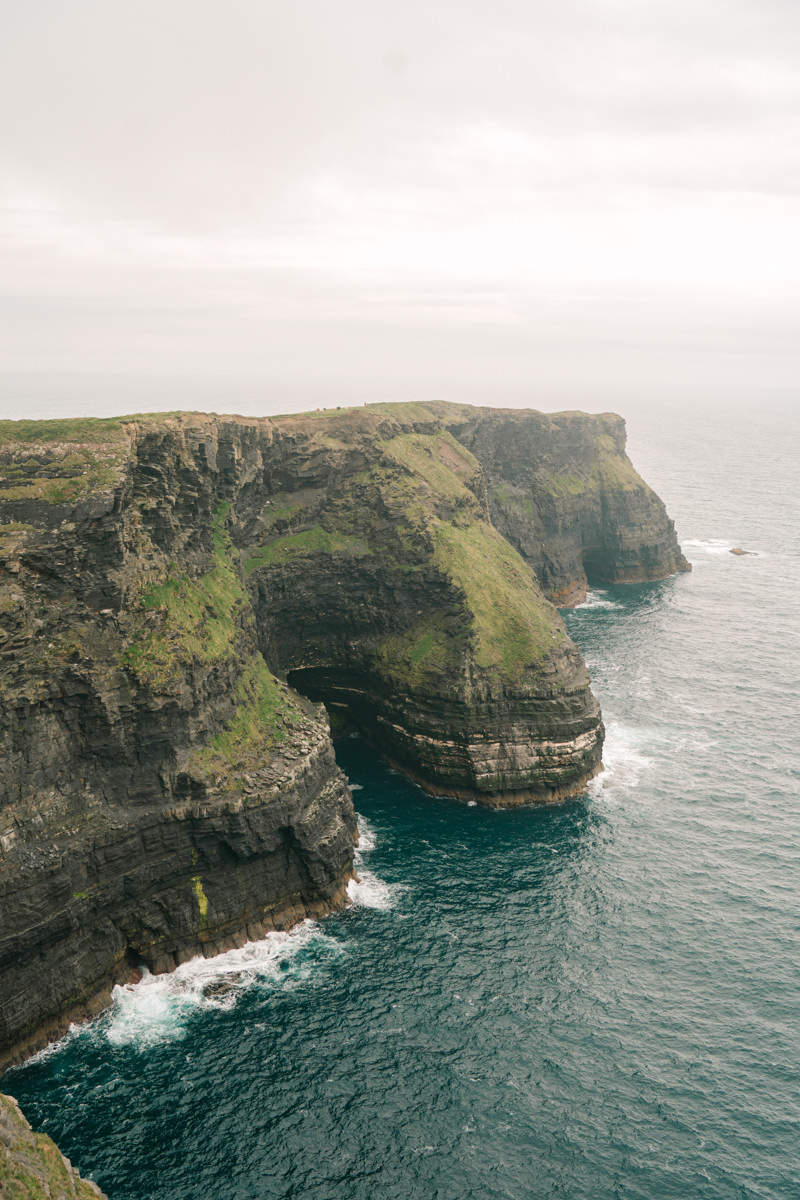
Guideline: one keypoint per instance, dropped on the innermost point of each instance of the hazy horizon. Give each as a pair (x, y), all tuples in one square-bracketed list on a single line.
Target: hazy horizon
[(592, 206)]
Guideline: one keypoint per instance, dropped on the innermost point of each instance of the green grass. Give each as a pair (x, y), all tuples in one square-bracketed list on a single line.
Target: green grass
[(202, 900), (422, 653), (566, 485), (73, 429), (198, 618), (284, 513), (410, 410), (308, 541), (8, 528), (61, 478), (612, 470), (439, 460), (79, 430), (32, 1167), (514, 627), (609, 470), (257, 727)]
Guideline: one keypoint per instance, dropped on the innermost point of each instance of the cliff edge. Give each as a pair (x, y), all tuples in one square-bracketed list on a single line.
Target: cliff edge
[(31, 1165), (178, 596)]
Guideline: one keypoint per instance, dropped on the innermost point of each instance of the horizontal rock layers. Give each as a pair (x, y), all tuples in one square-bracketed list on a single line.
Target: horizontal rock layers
[(564, 493), (178, 594)]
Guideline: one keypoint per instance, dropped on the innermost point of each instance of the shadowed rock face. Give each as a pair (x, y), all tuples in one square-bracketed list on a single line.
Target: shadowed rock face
[(177, 594)]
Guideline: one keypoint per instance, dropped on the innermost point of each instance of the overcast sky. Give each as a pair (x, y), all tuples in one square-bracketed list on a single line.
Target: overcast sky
[(567, 203)]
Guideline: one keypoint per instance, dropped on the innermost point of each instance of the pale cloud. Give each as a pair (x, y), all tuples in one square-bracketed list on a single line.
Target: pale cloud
[(401, 191)]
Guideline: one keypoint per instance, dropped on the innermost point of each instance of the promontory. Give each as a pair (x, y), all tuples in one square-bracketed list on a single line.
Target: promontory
[(189, 604)]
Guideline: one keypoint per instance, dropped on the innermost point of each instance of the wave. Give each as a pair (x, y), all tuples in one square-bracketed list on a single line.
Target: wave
[(708, 545), (624, 760), (158, 1007), (597, 599), (368, 891), (366, 836)]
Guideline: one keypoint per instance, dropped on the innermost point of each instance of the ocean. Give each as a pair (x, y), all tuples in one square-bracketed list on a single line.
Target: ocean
[(591, 1001)]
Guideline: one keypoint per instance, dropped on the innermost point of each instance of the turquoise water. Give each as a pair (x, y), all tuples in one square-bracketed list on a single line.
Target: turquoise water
[(597, 1000)]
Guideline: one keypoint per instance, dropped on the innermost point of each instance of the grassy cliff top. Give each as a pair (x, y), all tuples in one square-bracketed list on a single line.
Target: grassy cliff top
[(104, 430)]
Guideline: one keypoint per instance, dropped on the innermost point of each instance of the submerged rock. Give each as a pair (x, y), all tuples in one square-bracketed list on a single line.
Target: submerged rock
[(177, 596)]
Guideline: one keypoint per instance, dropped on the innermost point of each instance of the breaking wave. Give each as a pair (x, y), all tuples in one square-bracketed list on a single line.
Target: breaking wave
[(158, 1008)]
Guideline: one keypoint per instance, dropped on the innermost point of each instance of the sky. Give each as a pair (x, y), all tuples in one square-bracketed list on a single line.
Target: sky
[(264, 205)]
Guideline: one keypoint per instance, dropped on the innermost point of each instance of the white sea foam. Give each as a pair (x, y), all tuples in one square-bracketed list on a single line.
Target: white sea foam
[(707, 545), (368, 891), (157, 1009), (597, 600), (55, 1047), (366, 836), (624, 760)]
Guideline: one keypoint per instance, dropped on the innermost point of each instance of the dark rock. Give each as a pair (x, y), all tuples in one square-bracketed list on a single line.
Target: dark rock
[(164, 793)]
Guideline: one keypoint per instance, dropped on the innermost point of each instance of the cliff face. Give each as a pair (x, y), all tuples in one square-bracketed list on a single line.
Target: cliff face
[(177, 594), (31, 1165), (564, 493)]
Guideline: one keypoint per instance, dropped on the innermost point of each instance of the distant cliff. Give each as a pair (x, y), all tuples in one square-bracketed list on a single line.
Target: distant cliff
[(177, 596)]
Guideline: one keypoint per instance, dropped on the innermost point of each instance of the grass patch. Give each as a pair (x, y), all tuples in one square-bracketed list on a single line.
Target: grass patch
[(308, 541), (283, 513), (59, 478), (71, 429), (513, 625), (424, 652), (198, 618), (614, 470), (265, 711), (78, 430), (202, 900), (439, 460), (565, 485)]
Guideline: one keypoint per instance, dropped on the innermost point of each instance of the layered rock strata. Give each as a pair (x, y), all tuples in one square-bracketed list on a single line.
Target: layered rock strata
[(178, 594), (563, 491)]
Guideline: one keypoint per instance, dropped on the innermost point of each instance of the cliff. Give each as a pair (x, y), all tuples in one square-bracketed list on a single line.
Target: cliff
[(178, 595), (31, 1165), (565, 494)]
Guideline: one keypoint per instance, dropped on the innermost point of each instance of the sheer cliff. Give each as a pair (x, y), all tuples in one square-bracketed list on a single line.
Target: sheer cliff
[(178, 595)]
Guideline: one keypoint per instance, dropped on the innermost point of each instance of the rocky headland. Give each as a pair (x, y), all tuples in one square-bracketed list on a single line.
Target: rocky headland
[(189, 602)]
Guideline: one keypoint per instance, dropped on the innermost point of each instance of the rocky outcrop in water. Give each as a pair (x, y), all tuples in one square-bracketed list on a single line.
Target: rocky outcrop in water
[(179, 593), (31, 1165)]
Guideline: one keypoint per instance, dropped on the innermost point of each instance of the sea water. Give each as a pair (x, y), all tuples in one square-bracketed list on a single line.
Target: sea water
[(595, 1000)]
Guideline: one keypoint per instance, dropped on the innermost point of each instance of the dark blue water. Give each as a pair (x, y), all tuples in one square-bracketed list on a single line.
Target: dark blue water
[(597, 1000)]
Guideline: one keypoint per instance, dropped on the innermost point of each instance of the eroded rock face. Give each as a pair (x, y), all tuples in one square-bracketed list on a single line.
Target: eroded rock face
[(178, 594), (564, 493), (31, 1164)]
